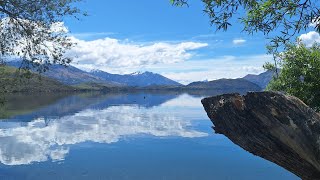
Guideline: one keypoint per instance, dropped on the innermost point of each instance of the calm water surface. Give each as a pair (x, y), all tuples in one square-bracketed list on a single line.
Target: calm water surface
[(119, 136)]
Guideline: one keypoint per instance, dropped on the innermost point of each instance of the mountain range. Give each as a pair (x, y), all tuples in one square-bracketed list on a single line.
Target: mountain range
[(140, 79), (262, 79), (97, 79), (73, 76)]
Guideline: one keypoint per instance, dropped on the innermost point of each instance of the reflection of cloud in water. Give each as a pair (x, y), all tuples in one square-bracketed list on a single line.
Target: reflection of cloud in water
[(39, 140), (184, 100)]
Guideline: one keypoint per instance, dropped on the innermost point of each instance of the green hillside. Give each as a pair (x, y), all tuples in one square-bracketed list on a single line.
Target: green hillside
[(13, 80)]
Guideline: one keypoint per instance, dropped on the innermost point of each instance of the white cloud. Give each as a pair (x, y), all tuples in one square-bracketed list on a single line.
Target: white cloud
[(239, 41), (204, 69), (171, 59), (315, 22), (38, 141), (310, 38), (184, 101), (110, 52)]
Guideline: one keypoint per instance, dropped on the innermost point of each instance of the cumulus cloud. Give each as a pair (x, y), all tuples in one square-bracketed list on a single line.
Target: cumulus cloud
[(40, 141), (173, 60), (310, 38), (239, 41), (115, 53)]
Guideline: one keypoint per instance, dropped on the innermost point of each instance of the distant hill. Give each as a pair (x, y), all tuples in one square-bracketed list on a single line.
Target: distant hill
[(262, 79), (140, 79), (73, 76), (226, 85), (70, 75), (11, 82)]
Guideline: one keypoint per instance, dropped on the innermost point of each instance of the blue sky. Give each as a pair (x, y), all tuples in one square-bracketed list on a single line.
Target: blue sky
[(124, 36)]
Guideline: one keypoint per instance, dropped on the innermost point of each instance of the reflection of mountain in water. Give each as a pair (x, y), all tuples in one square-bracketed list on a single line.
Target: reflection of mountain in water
[(25, 107), (59, 105), (278, 128), (17, 104), (207, 92), (55, 122)]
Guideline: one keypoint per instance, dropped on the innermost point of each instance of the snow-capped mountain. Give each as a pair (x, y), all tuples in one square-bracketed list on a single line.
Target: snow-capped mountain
[(139, 78), (72, 76)]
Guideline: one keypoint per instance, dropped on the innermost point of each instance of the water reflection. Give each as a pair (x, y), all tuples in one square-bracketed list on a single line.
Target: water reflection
[(163, 135), (25, 107), (47, 133)]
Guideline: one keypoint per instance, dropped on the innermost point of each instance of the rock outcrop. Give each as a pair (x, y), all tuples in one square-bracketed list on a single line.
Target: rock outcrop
[(276, 127)]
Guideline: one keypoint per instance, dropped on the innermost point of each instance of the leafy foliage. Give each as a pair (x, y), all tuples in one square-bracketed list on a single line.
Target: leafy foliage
[(300, 73), (32, 30), (288, 17)]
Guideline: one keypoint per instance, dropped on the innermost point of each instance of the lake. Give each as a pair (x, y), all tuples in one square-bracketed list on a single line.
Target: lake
[(119, 136)]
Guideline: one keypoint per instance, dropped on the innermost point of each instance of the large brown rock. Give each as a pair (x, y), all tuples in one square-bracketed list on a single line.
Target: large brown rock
[(276, 127)]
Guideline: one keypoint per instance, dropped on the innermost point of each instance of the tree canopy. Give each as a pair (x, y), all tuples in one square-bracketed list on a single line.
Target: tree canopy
[(279, 20), (32, 30), (300, 73)]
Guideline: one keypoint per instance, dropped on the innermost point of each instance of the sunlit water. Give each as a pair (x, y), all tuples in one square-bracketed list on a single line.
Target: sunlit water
[(120, 136)]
